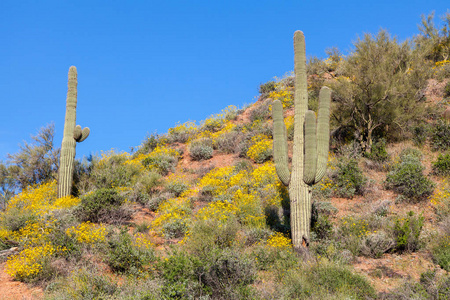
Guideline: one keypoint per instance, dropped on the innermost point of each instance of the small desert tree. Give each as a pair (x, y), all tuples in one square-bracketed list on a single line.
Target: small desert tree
[(434, 41), (380, 88), (35, 162)]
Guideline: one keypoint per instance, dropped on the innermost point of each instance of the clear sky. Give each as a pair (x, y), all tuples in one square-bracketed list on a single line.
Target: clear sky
[(143, 66)]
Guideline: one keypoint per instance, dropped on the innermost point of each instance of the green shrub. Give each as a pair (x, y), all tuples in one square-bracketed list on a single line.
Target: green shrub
[(322, 227), (376, 244), (102, 205), (411, 152), (378, 152), (407, 178), (335, 279), (441, 252), (406, 232), (148, 145), (124, 256), (83, 284), (179, 272), (145, 185), (201, 149), (227, 142), (163, 163), (442, 165), (265, 88), (110, 171), (154, 202), (208, 236), (440, 136), (348, 178), (260, 111), (174, 228), (229, 275), (176, 186), (420, 133), (351, 232), (430, 286)]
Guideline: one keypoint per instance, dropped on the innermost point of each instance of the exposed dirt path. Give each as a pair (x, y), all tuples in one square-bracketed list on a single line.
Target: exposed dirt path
[(15, 290)]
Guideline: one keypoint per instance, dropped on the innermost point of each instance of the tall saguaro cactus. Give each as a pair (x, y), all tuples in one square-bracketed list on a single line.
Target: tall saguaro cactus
[(311, 144), (72, 135)]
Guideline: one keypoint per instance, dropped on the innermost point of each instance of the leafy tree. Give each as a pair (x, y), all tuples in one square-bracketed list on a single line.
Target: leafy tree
[(379, 91), (34, 163)]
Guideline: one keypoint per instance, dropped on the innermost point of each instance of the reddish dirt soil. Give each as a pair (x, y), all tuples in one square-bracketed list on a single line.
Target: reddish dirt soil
[(15, 290)]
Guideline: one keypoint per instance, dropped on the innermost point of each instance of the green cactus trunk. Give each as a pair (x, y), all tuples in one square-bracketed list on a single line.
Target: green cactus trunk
[(311, 143), (72, 134)]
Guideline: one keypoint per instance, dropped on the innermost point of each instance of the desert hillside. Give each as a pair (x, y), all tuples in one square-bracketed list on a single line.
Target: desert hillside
[(199, 212)]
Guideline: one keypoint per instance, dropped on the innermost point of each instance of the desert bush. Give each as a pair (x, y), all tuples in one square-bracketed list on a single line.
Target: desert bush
[(442, 165), (111, 170), (378, 151), (154, 202), (83, 284), (145, 186), (430, 286), (174, 228), (348, 178), (406, 232), (326, 281), (209, 235), (441, 252), (382, 208), (321, 226), (376, 244), (411, 152), (162, 160), (128, 254), (176, 185), (351, 232), (336, 279), (265, 88), (260, 111), (148, 145), (181, 133), (102, 205), (256, 235), (229, 275), (201, 149), (179, 273), (420, 133), (407, 178), (227, 142), (440, 136)]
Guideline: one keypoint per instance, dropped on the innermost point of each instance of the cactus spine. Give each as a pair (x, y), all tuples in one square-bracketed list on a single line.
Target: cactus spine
[(72, 135), (311, 144)]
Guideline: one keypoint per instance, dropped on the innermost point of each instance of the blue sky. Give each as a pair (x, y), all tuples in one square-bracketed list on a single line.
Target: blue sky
[(143, 66)]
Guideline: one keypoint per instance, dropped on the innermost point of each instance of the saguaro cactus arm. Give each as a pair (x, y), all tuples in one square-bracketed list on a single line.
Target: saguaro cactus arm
[(80, 135), (310, 163), (280, 143), (323, 132)]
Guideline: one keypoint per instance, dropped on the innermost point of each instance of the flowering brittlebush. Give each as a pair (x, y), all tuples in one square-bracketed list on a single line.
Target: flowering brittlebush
[(87, 233), (283, 94), (279, 241), (261, 148), (29, 262)]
